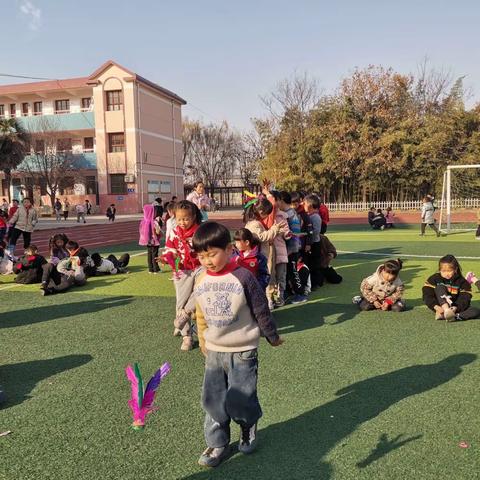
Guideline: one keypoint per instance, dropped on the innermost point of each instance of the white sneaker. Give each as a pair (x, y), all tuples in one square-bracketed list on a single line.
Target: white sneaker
[(212, 457), (356, 299)]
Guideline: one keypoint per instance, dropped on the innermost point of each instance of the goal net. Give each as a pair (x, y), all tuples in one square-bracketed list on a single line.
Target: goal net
[(460, 203)]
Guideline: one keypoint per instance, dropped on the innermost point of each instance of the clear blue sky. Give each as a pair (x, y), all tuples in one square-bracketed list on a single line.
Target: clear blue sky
[(221, 55)]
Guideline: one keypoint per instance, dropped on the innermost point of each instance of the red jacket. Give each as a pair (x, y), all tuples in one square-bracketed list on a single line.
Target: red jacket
[(324, 213), (180, 243)]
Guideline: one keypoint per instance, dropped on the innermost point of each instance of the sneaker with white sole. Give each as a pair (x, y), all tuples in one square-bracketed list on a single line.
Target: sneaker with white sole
[(356, 299), (299, 299), (248, 439), (449, 315), (177, 332), (212, 457)]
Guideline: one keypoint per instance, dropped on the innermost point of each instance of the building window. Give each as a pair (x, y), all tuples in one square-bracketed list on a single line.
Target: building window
[(39, 146), (37, 108), (116, 142), (88, 144), (90, 185), (13, 108), (67, 186), (114, 100), (86, 103), (62, 106), (2, 111), (24, 109), (64, 145), (117, 184)]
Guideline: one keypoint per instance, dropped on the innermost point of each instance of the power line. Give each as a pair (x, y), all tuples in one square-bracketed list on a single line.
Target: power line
[(24, 76)]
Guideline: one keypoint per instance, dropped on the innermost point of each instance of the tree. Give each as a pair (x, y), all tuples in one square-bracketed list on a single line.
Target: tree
[(51, 161), (210, 152), (14, 144)]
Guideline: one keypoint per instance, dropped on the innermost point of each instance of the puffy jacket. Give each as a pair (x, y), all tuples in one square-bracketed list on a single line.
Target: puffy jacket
[(24, 219), (427, 213), (375, 288)]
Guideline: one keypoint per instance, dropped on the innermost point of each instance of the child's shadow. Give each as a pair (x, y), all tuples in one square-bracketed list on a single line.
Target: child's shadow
[(19, 379)]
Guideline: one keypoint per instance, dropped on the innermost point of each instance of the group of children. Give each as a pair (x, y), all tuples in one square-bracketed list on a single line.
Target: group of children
[(67, 265), (230, 288)]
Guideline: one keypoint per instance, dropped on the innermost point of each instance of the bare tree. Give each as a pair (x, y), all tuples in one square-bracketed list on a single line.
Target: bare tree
[(211, 152), (51, 160), (250, 155)]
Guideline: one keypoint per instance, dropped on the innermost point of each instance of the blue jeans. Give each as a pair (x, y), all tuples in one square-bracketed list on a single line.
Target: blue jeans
[(229, 393)]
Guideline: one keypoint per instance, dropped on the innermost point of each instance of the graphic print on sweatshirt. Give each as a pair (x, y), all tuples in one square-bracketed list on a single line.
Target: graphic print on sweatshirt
[(219, 301)]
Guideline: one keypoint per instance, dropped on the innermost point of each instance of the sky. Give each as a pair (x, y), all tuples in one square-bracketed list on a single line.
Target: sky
[(221, 56)]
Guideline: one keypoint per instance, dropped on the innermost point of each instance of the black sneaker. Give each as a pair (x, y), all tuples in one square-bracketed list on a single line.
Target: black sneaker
[(212, 457), (248, 439)]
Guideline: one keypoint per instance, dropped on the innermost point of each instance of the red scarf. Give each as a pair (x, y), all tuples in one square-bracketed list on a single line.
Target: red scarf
[(189, 260)]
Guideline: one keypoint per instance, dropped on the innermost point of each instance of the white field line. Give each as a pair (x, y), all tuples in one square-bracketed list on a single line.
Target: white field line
[(385, 255)]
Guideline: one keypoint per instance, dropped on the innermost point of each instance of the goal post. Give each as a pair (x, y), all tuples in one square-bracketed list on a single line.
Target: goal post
[(460, 198)]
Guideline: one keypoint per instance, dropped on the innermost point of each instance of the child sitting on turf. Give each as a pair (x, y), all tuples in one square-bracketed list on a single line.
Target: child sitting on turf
[(57, 251), (448, 294), (110, 265), (150, 236), (248, 255), (383, 290), (178, 245), (6, 260), (29, 267), (69, 272), (232, 314)]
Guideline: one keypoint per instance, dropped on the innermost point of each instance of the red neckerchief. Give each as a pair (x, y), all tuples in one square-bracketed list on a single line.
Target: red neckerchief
[(228, 268), (300, 209), (264, 223)]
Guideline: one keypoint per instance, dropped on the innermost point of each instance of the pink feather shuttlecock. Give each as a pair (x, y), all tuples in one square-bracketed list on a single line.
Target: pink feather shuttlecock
[(173, 262), (141, 403)]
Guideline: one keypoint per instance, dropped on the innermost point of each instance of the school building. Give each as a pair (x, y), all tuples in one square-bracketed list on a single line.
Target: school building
[(122, 133)]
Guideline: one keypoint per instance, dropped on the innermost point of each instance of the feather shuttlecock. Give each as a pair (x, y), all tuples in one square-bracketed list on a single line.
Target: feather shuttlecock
[(142, 400)]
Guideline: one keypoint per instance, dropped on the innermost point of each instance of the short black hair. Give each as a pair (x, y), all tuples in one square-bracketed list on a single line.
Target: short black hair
[(286, 197), (245, 235), (313, 201), (296, 197), (211, 235), (97, 259), (71, 245), (393, 266)]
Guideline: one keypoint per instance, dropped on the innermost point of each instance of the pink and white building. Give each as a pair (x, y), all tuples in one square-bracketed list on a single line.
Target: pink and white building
[(124, 132)]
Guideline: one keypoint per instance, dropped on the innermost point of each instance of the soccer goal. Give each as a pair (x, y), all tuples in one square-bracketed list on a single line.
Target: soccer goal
[(460, 202)]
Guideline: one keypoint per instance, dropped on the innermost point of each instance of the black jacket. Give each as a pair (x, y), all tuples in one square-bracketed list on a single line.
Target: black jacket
[(458, 288)]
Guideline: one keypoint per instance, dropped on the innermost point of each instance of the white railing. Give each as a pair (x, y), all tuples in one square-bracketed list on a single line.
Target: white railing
[(457, 203)]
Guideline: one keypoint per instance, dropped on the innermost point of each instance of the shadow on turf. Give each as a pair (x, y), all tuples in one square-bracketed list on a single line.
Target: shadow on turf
[(19, 379), (29, 316), (297, 448)]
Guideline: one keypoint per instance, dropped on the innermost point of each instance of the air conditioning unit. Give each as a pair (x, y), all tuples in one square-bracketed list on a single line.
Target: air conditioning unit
[(130, 178)]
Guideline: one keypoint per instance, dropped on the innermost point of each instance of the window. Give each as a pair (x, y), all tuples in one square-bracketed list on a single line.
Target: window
[(24, 109), (116, 142), (13, 109), (37, 108), (64, 144), (90, 185), (39, 146), (62, 106), (67, 186), (114, 100), (88, 144), (86, 103), (2, 111), (117, 184)]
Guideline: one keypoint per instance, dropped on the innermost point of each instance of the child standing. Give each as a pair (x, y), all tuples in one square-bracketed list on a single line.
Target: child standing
[(428, 211), (179, 245), (314, 258), (448, 293), (232, 313), (111, 212), (170, 219), (3, 224), (150, 236), (249, 256), (293, 247), (383, 290), (389, 218), (324, 215)]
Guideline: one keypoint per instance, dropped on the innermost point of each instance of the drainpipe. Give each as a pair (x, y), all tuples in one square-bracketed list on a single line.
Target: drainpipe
[(139, 147), (174, 150)]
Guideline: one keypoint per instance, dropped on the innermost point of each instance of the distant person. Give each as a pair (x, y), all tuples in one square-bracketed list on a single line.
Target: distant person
[(88, 207), (80, 209), (22, 223), (29, 268), (324, 215), (379, 221), (158, 207), (200, 199), (150, 236), (13, 208), (389, 218), (3, 224), (428, 211), (4, 205), (65, 208), (111, 212), (371, 215), (57, 207)]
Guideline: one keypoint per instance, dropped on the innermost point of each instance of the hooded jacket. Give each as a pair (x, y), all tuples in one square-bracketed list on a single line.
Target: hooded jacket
[(24, 219), (375, 288)]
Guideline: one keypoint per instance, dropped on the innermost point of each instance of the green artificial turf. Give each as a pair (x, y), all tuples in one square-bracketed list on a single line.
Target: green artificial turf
[(348, 396)]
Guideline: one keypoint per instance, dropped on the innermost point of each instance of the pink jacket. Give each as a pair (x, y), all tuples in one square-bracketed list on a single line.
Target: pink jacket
[(281, 255)]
